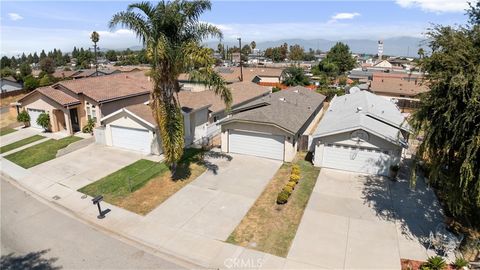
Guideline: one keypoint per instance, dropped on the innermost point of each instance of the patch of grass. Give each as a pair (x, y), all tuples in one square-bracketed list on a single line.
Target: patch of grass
[(150, 184), (41, 152), (20, 143), (6, 130), (269, 227)]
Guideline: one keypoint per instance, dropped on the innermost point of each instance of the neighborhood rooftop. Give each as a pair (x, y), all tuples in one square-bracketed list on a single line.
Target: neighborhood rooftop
[(288, 109), (363, 110)]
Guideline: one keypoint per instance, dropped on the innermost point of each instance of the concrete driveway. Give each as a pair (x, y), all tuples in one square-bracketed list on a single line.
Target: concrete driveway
[(215, 203), (19, 135), (72, 171), (357, 221)]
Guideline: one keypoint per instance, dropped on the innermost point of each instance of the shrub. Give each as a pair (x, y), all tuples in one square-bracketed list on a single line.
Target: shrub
[(43, 120), (288, 189), (282, 197), (295, 178), (434, 263), (88, 128), (460, 263), (291, 184), (23, 117), (295, 169)]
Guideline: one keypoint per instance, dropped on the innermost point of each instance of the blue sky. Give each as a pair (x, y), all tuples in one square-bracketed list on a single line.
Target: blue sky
[(32, 26)]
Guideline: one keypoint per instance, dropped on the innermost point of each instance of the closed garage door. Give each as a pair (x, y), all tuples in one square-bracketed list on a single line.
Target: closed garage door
[(256, 144), (34, 113), (356, 159), (131, 138)]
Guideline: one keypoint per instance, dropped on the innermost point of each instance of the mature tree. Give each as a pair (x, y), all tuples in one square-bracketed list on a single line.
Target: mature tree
[(296, 53), (75, 52), (421, 53), (5, 62), (13, 62), (253, 45), (25, 70), (30, 83), (47, 65), (275, 54), (43, 55), (36, 59), (172, 33), (449, 115), (111, 55), (45, 80), (246, 50), (329, 68), (340, 56), (95, 37), (7, 71), (23, 58), (295, 76)]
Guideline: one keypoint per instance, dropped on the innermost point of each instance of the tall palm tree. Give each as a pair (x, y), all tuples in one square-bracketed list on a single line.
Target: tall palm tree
[(95, 37), (171, 32)]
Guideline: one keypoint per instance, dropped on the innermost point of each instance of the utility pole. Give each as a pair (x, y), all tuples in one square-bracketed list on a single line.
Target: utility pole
[(241, 68)]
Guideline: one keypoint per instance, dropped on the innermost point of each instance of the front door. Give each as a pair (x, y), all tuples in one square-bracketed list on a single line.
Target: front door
[(74, 119)]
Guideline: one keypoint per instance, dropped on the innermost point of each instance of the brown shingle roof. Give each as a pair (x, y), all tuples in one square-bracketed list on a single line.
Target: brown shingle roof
[(58, 96), (241, 92), (115, 86), (232, 74), (64, 73), (143, 111)]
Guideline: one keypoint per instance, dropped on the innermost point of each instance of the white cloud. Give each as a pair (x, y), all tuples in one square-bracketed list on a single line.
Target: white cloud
[(14, 16), (435, 5), (345, 16)]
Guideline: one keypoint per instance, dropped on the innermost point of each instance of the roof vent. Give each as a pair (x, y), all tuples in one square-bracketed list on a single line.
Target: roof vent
[(283, 99), (359, 109)]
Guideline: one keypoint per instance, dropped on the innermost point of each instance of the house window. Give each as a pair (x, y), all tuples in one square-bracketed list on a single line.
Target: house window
[(94, 113), (215, 119), (89, 114)]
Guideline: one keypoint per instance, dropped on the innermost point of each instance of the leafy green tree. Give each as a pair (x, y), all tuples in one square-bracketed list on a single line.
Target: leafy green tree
[(449, 116), (5, 62), (328, 68), (43, 55), (47, 65), (294, 76), (36, 59), (421, 53), (5, 72), (43, 120), (340, 56), (297, 53), (25, 70), (253, 45), (111, 55), (46, 80), (172, 33)]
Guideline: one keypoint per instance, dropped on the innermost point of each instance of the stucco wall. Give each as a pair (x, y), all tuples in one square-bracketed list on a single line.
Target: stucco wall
[(125, 120), (40, 102), (290, 147)]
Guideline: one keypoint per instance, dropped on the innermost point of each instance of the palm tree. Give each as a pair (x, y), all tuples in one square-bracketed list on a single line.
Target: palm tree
[(421, 53), (95, 37), (171, 32)]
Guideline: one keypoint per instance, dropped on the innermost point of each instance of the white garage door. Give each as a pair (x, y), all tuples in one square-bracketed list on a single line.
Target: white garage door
[(356, 159), (256, 144), (34, 113), (131, 138)]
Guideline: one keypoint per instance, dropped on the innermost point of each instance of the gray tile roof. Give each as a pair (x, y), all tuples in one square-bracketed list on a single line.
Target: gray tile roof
[(289, 109), (363, 110)]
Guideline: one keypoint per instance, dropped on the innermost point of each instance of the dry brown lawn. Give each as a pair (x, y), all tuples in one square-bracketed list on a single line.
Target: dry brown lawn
[(156, 191), (269, 227), (6, 101)]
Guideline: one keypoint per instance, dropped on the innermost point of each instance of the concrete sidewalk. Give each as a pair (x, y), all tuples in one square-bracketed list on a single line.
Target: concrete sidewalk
[(205, 249)]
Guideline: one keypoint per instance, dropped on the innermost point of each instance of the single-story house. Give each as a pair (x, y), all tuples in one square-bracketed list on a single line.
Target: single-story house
[(201, 111), (360, 132), (271, 126), (9, 84), (88, 98)]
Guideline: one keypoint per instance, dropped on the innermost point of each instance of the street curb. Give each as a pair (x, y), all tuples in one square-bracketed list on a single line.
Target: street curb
[(166, 255)]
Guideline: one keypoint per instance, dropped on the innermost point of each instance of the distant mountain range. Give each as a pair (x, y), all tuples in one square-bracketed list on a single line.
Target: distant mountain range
[(398, 46)]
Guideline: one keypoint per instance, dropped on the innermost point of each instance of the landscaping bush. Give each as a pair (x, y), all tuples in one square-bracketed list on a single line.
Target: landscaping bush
[(434, 263), (88, 128), (291, 184), (295, 178), (43, 120), (460, 263), (282, 197), (295, 169), (24, 117), (288, 189)]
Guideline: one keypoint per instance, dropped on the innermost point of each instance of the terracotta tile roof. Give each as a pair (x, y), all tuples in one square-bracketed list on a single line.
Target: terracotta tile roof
[(115, 86), (58, 96), (398, 84), (232, 74), (64, 74), (241, 92), (143, 111)]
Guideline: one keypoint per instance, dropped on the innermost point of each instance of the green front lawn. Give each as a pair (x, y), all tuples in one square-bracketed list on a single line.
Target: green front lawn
[(269, 227), (20, 143), (5, 131), (41, 152), (143, 185)]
